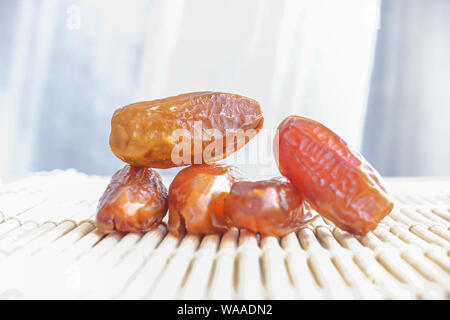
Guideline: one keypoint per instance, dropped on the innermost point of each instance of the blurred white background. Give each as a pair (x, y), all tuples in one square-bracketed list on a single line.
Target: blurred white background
[(65, 66)]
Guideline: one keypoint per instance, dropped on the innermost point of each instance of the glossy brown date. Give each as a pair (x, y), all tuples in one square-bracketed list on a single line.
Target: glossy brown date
[(272, 207), (134, 201), (196, 197), (191, 128), (336, 180)]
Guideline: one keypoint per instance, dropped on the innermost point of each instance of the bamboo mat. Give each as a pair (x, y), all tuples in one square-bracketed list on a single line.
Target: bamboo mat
[(49, 248)]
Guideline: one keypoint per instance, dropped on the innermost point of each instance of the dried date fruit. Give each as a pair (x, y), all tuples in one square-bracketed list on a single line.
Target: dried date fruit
[(196, 197), (191, 128), (134, 201), (336, 180), (272, 207)]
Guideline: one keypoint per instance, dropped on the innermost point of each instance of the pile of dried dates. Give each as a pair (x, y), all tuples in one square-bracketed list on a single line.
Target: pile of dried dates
[(321, 173)]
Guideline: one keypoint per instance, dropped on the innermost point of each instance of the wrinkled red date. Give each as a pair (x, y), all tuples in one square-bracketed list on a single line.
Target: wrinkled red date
[(272, 207), (196, 198), (147, 133), (134, 201), (336, 180)]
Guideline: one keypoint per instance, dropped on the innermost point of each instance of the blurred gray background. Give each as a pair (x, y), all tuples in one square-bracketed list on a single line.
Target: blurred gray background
[(376, 73), (407, 126)]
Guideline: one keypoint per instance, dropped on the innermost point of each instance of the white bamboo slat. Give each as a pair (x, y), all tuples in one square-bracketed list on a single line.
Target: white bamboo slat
[(49, 248)]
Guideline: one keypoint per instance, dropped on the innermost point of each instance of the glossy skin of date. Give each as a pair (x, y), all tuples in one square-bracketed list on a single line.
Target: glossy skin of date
[(146, 133), (272, 207), (134, 201), (196, 198), (336, 180)]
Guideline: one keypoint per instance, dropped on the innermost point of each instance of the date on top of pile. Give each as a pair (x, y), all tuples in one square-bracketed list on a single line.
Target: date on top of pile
[(191, 128)]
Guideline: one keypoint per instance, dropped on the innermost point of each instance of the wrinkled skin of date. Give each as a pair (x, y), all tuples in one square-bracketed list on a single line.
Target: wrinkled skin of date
[(134, 201), (196, 197), (272, 207), (336, 180), (192, 128)]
